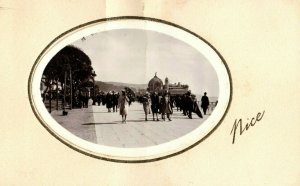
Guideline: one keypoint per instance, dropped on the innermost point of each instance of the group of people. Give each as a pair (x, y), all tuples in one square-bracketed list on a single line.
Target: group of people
[(110, 99), (154, 102), (187, 103), (113, 100), (157, 105)]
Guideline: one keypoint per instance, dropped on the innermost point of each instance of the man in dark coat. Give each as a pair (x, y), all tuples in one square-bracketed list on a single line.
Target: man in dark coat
[(165, 106), (115, 98), (189, 104), (204, 103), (98, 99), (109, 101), (155, 105), (178, 102), (184, 104)]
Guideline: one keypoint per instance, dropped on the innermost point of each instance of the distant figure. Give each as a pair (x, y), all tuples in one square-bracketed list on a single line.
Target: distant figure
[(196, 107), (155, 105), (204, 103), (81, 99), (84, 99), (115, 98), (146, 105), (165, 106), (109, 101), (98, 99), (123, 104), (178, 102), (190, 104)]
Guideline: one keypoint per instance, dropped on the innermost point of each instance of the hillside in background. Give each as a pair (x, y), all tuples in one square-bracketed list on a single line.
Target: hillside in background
[(118, 86)]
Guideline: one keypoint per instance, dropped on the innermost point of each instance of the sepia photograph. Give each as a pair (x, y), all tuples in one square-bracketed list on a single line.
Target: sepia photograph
[(129, 88), (136, 92)]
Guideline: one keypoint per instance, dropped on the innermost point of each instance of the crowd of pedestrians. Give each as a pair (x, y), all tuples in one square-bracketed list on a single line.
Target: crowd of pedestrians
[(164, 104), (155, 105)]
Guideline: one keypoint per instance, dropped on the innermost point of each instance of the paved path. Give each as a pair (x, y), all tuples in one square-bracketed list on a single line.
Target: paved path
[(137, 132), (97, 125), (78, 121)]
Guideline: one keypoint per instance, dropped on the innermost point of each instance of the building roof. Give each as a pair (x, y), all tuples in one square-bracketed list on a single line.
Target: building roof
[(155, 81)]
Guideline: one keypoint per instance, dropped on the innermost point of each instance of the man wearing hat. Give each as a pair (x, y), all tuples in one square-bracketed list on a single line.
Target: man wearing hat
[(204, 103), (165, 106)]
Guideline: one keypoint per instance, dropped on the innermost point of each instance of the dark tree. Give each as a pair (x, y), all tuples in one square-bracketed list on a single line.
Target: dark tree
[(70, 67)]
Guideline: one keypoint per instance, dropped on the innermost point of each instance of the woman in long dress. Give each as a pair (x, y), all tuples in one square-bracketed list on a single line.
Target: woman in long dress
[(123, 104)]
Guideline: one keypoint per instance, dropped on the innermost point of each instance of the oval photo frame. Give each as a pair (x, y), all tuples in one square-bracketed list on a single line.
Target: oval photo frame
[(140, 154)]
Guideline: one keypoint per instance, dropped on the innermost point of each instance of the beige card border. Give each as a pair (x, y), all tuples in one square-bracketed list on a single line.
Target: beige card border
[(36, 113)]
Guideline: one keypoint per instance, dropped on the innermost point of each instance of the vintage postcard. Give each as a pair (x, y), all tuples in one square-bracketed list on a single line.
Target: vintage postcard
[(140, 92)]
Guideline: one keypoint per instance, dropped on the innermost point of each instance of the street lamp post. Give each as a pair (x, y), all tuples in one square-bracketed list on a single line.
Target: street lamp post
[(93, 77), (71, 90), (65, 82)]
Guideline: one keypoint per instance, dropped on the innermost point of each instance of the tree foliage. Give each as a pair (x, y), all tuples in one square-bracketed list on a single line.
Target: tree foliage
[(71, 62), (69, 59)]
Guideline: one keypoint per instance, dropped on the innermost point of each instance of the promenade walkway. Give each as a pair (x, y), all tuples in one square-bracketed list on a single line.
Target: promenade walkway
[(137, 132), (99, 126), (76, 120)]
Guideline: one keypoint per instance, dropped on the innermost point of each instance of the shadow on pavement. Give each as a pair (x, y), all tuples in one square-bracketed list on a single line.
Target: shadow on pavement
[(185, 117), (101, 123), (102, 112), (136, 121)]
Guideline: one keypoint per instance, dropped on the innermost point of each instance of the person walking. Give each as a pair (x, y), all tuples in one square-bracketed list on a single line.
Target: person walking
[(146, 105), (123, 104), (204, 103), (155, 105), (166, 106), (109, 101), (189, 104), (184, 104), (115, 98)]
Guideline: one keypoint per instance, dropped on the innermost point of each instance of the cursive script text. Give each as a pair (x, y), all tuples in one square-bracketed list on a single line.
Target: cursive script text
[(250, 123)]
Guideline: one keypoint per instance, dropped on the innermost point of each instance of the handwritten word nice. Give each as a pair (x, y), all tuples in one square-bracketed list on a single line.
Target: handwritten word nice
[(245, 126)]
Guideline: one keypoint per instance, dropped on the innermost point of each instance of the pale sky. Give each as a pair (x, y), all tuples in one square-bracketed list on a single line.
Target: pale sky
[(133, 56)]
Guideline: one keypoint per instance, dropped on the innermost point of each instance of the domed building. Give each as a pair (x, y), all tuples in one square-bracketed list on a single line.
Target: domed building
[(155, 84)]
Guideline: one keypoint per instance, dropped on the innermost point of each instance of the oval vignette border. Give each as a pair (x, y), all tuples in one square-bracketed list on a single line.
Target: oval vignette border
[(36, 113)]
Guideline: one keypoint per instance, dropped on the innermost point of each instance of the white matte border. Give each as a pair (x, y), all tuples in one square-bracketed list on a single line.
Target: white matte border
[(130, 154)]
